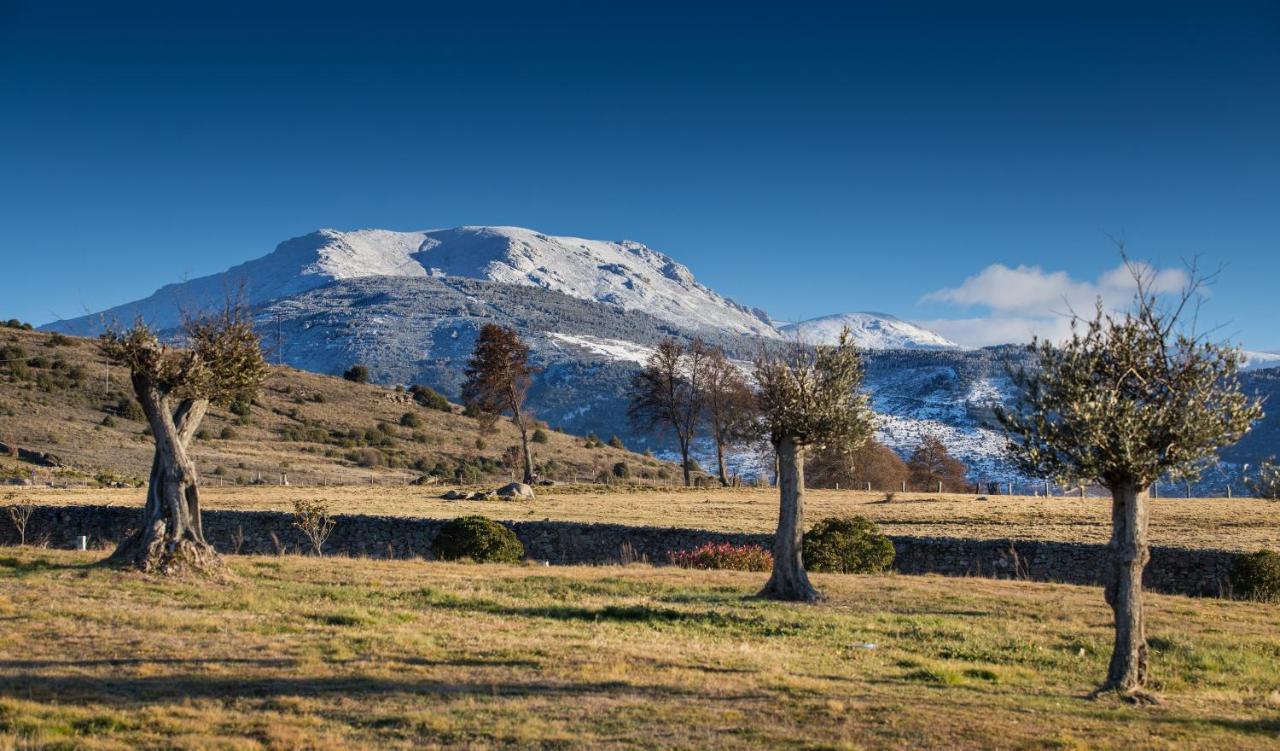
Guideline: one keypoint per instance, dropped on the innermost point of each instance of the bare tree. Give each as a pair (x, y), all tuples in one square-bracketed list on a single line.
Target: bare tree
[(872, 462), (498, 379), (1265, 483), (1129, 398), (222, 362), (931, 464), (729, 405), (808, 397), (20, 514), (667, 394)]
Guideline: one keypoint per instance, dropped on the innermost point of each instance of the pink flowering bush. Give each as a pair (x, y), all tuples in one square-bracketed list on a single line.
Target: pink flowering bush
[(724, 555)]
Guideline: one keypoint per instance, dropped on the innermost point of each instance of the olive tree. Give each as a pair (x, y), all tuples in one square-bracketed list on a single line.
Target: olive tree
[(808, 397), (1129, 397), (221, 362)]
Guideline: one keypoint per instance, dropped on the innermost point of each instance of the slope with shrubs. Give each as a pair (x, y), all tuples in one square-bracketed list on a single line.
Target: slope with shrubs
[(60, 398)]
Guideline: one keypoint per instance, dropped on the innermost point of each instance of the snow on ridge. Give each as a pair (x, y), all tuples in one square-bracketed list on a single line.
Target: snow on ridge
[(625, 274), (869, 331)]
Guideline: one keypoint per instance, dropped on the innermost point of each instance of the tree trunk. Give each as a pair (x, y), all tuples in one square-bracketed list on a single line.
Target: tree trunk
[(684, 465), (1128, 555), (789, 580), (171, 539), (524, 445), (724, 477)]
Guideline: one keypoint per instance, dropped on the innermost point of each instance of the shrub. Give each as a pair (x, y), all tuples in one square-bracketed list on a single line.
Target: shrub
[(57, 340), (357, 374), (847, 545), (312, 517), (1257, 576), (1266, 482), (616, 442), (369, 457), (241, 408), (228, 434), (480, 444), (479, 539), (621, 471), (724, 555), (539, 436), (429, 398), (129, 409), (410, 420), (108, 422)]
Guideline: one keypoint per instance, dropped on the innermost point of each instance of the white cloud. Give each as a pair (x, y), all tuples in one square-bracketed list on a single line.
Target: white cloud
[(1027, 301)]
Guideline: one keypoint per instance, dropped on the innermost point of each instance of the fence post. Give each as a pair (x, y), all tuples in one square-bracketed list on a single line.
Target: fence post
[(1228, 491), (939, 486), (904, 486)]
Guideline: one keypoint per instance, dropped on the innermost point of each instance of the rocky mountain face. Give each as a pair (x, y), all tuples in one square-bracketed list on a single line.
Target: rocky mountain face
[(408, 305)]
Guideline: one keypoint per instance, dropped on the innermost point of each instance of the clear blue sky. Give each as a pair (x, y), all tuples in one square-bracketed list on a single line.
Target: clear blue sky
[(804, 158)]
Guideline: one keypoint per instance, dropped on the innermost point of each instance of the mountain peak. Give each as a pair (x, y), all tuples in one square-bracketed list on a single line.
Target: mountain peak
[(626, 274)]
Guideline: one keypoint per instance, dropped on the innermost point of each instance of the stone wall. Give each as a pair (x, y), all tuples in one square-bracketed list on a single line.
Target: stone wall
[(1172, 570)]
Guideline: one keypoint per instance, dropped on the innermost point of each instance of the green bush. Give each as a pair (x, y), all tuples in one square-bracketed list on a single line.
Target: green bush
[(539, 436), (129, 409), (429, 398), (847, 545), (357, 374), (411, 420), (479, 539), (616, 442), (228, 434), (621, 471), (241, 408), (1257, 577)]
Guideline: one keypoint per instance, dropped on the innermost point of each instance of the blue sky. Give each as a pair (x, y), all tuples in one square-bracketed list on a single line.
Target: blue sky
[(808, 159)]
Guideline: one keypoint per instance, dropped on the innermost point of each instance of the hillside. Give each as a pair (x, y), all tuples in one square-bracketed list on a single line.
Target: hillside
[(59, 397)]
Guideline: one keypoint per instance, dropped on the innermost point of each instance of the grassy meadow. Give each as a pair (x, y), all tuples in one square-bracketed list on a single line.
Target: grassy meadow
[(305, 653)]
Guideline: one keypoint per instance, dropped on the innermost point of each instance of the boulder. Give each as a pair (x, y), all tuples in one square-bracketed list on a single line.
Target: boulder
[(478, 495), (452, 495), (515, 490)]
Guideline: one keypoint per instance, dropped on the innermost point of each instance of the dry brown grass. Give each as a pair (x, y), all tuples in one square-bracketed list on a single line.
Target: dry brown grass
[(344, 653), (68, 424), (1232, 524)]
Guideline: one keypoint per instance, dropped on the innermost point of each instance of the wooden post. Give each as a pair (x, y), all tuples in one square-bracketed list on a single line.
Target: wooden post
[(904, 486), (1228, 491), (939, 486), (1010, 489), (868, 486)]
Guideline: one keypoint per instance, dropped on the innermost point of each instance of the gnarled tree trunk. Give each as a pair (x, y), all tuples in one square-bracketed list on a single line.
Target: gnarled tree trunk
[(1128, 553), (524, 441), (171, 539), (789, 580)]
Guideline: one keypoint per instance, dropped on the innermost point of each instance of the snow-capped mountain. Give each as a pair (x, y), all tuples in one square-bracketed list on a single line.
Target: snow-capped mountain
[(1260, 360), (869, 331), (408, 305), (626, 275)]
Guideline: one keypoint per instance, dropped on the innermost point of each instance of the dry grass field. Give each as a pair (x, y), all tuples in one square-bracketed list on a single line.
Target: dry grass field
[(304, 653), (1243, 524)]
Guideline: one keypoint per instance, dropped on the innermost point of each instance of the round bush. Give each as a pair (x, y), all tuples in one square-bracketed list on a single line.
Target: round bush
[(847, 545), (479, 539), (1257, 576)]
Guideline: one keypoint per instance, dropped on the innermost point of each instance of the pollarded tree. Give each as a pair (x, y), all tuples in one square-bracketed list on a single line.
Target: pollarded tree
[(668, 394), (808, 397), (1129, 398), (498, 379), (221, 363), (729, 405)]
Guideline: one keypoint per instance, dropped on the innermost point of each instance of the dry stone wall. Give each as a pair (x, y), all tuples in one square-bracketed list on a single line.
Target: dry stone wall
[(1171, 570)]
